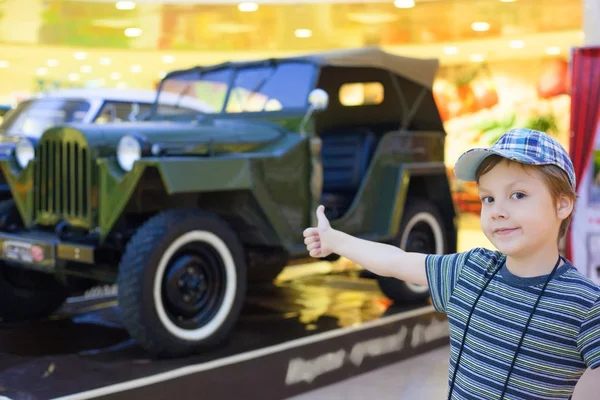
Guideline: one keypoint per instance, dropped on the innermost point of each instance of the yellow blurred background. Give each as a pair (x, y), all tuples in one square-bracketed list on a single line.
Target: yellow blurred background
[(45, 44), (503, 63)]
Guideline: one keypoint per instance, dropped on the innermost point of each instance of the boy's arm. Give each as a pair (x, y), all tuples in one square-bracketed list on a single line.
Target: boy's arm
[(382, 259)]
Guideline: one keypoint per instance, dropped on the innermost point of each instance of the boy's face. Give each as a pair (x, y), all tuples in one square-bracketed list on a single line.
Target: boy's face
[(518, 213)]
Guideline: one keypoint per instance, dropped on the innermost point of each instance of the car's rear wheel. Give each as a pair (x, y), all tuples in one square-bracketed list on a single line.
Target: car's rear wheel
[(421, 231), (182, 282)]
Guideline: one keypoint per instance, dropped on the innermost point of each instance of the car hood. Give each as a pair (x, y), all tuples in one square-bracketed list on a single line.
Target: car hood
[(202, 138)]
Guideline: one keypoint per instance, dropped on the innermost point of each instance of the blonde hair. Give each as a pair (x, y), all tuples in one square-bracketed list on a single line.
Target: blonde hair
[(555, 178)]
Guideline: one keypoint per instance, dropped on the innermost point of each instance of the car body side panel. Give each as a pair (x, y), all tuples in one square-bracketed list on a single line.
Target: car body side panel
[(377, 208), (278, 180), (282, 189)]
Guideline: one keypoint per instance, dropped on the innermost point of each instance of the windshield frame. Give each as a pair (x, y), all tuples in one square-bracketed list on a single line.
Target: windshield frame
[(236, 67)]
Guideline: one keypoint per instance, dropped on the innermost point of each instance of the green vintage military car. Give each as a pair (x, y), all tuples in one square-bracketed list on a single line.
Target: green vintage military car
[(184, 209)]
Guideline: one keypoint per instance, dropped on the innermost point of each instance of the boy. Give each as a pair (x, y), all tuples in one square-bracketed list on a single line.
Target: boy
[(524, 323)]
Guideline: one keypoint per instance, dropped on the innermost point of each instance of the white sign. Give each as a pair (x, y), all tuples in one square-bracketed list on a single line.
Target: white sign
[(302, 370), (585, 228)]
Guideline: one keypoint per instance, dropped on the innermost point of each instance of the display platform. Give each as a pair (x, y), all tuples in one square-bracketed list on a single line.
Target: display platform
[(291, 338)]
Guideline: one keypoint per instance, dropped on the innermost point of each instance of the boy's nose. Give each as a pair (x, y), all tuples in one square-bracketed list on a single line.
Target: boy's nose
[(499, 212)]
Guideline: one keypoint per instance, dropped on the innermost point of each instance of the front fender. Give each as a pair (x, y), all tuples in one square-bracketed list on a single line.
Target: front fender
[(179, 175), (20, 183)]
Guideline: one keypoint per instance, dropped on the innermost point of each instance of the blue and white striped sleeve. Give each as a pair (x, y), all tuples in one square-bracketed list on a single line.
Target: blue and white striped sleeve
[(588, 340), (442, 274)]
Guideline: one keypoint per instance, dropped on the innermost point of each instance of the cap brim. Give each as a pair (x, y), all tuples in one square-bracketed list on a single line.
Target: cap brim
[(466, 166)]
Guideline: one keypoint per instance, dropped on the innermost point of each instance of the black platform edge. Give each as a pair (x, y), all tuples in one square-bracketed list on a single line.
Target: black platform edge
[(293, 367)]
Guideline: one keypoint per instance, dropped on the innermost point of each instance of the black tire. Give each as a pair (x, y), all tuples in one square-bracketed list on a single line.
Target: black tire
[(156, 313), (421, 231), (25, 294)]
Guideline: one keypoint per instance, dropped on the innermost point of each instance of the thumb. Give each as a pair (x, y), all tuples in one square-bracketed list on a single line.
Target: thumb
[(323, 221)]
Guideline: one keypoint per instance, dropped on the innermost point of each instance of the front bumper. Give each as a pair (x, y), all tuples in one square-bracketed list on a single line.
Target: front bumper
[(42, 250)]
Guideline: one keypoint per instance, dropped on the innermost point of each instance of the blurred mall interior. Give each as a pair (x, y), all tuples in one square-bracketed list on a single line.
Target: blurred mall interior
[(46, 44), (503, 62)]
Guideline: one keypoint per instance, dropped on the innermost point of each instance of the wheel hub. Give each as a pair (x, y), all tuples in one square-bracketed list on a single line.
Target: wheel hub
[(417, 243), (420, 240), (186, 285), (192, 284)]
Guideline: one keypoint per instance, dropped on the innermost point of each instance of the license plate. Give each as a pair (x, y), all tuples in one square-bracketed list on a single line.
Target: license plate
[(28, 252)]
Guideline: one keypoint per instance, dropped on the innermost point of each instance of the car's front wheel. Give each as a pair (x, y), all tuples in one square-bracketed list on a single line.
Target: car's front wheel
[(421, 231), (182, 282)]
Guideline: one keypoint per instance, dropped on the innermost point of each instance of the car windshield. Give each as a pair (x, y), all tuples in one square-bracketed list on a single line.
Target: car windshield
[(32, 117), (255, 88)]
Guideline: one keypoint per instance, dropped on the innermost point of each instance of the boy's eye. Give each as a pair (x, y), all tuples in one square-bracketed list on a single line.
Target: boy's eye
[(487, 199), (518, 195)]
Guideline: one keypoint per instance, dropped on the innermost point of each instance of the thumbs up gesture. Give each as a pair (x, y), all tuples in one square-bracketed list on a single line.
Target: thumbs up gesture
[(318, 240)]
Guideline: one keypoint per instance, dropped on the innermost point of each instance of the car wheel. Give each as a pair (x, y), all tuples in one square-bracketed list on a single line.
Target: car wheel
[(182, 282), (421, 231), (25, 294)]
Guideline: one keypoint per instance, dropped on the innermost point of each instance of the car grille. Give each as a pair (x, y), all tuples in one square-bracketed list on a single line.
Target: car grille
[(62, 178)]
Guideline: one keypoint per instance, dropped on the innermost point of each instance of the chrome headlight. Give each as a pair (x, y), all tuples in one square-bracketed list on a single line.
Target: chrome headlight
[(24, 152), (129, 151)]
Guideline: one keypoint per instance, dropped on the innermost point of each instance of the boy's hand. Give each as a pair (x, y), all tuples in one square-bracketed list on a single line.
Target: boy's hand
[(382, 259), (319, 240)]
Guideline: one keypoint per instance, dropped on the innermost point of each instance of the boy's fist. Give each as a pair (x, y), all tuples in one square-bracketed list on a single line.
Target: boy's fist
[(317, 239)]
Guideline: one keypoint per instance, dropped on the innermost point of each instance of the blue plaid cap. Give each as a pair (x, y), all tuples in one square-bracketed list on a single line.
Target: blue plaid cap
[(522, 145)]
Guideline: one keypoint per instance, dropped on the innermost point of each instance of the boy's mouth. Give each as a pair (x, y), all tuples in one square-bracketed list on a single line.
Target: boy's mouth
[(504, 231)]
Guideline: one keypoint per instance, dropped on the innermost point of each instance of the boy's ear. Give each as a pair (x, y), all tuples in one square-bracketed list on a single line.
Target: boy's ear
[(565, 207)]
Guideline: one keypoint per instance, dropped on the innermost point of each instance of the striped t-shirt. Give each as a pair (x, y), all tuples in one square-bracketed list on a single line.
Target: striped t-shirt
[(562, 340)]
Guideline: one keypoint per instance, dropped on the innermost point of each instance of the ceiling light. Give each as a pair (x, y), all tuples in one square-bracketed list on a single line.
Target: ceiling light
[(86, 69), (508, 1), (80, 55), (168, 59), (480, 26), (248, 6), (136, 68), (477, 58), (517, 44), (133, 32), (122, 85), (162, 75), (404, 3), (372, 18), (105, 61), (125, 5), (73, 77), (41, 71), (115, 76), (52, 63), (553, 50), (3, 64), (303, 33), (450, 50)]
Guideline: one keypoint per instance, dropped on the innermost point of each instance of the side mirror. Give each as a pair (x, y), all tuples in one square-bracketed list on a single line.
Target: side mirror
[(318, 99)]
